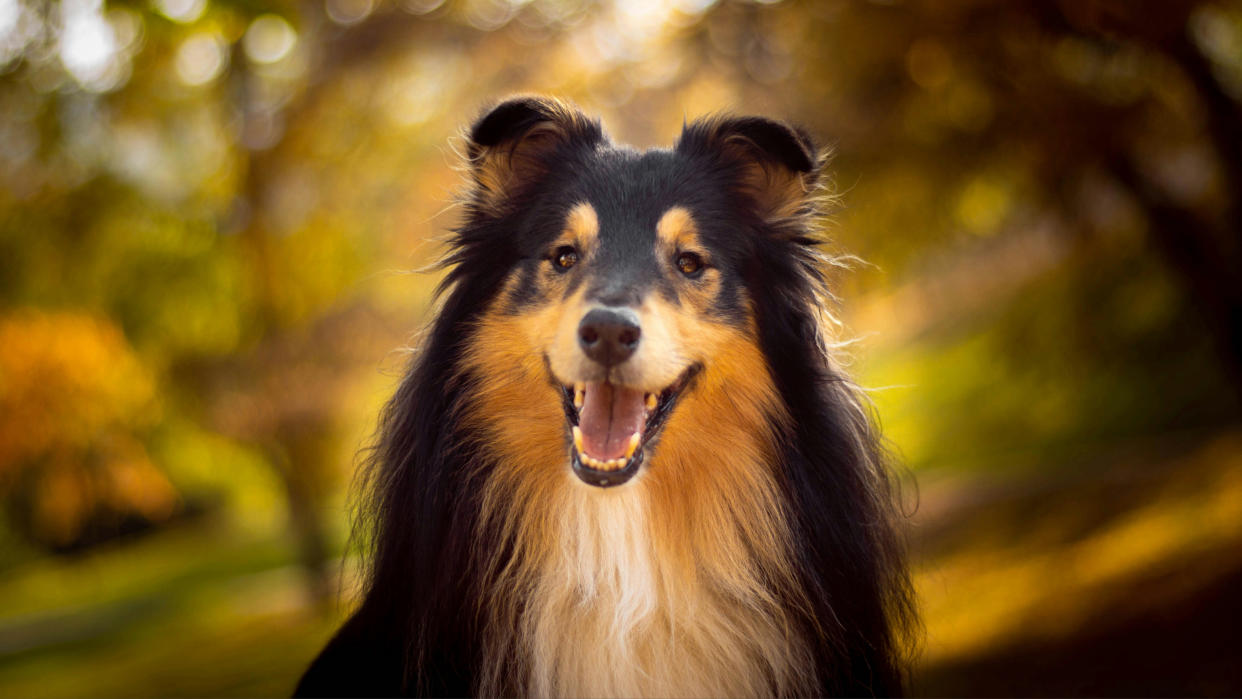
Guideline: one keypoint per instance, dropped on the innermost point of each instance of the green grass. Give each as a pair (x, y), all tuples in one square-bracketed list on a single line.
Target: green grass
[(198, 610)]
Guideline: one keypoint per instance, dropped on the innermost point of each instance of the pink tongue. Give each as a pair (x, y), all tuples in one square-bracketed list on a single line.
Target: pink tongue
[(610, 414)]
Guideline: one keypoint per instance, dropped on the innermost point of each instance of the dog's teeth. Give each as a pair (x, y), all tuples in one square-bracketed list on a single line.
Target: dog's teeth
[(632, 446), (651, 401), (579, 395), (600, 464), (578, 438)]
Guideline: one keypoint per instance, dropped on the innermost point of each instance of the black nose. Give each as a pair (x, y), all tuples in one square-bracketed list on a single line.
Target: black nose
[(609, 335)]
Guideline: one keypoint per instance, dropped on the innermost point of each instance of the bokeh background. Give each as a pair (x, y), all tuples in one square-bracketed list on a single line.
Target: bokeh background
[(212, 213)]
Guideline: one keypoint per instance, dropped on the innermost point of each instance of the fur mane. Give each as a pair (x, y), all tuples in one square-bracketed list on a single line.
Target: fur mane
[(676, 585)]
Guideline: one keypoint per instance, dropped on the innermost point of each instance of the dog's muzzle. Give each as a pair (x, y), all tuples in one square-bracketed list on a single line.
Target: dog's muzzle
[(611, 423)]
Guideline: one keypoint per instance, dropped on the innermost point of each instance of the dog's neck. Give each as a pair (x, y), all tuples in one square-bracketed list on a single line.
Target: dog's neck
[(645, 590)]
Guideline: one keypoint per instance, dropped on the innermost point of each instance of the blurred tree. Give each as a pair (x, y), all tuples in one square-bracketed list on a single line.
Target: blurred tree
[(75, 398), (1043, 105)]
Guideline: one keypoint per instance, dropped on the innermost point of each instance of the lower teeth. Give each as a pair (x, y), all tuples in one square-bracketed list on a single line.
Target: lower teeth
[(603, 465), (606, 464)]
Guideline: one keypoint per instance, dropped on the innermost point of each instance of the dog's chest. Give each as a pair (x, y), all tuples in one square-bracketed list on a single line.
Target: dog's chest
[(616, 613)]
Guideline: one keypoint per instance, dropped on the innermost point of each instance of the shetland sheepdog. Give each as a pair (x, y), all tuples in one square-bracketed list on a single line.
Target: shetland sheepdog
[(624, 461)]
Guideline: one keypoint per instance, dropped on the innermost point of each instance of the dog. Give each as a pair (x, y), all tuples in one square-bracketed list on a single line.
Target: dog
[(624, 461)]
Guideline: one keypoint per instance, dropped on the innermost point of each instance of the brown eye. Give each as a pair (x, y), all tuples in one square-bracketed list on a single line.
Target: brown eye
[(564, 258), (690, 264)]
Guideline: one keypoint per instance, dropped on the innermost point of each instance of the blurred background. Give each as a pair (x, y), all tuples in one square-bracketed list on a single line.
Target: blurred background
[(211, 210)]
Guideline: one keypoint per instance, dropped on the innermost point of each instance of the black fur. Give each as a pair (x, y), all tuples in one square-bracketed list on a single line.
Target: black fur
[(417, 629)]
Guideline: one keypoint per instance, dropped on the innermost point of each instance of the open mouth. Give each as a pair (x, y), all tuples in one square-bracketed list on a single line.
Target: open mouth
[(611, 425)]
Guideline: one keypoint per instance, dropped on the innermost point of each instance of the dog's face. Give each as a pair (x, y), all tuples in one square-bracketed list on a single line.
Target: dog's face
[(623, 331)]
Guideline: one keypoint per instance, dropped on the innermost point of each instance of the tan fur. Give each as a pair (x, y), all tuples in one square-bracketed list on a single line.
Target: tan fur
[(779, 193), (676, 229), (582, 226), (676, 232), (667, 585), (498, 170)]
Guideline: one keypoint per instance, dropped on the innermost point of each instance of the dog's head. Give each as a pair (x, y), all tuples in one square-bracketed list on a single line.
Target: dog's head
[(621, 330)]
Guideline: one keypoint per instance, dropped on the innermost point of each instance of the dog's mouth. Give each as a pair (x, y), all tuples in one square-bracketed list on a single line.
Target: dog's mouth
[(611, 426)]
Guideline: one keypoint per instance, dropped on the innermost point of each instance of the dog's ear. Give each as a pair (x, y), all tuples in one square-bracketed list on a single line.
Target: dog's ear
[(511, 146), (775, 165)]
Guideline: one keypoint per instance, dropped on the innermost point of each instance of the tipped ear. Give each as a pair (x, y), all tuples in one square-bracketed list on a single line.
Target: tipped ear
[(776, 164), (509, 147)]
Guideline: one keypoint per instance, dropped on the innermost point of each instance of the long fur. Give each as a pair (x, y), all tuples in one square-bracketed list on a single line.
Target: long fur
[(761, 557), (673, 586)]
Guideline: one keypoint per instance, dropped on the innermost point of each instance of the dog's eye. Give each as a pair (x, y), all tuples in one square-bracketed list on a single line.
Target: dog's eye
[(564, 257), (690, 264)]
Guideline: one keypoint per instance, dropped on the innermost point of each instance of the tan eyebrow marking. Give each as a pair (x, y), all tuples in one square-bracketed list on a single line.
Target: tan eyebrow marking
[(583, 224), (676, 229)]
